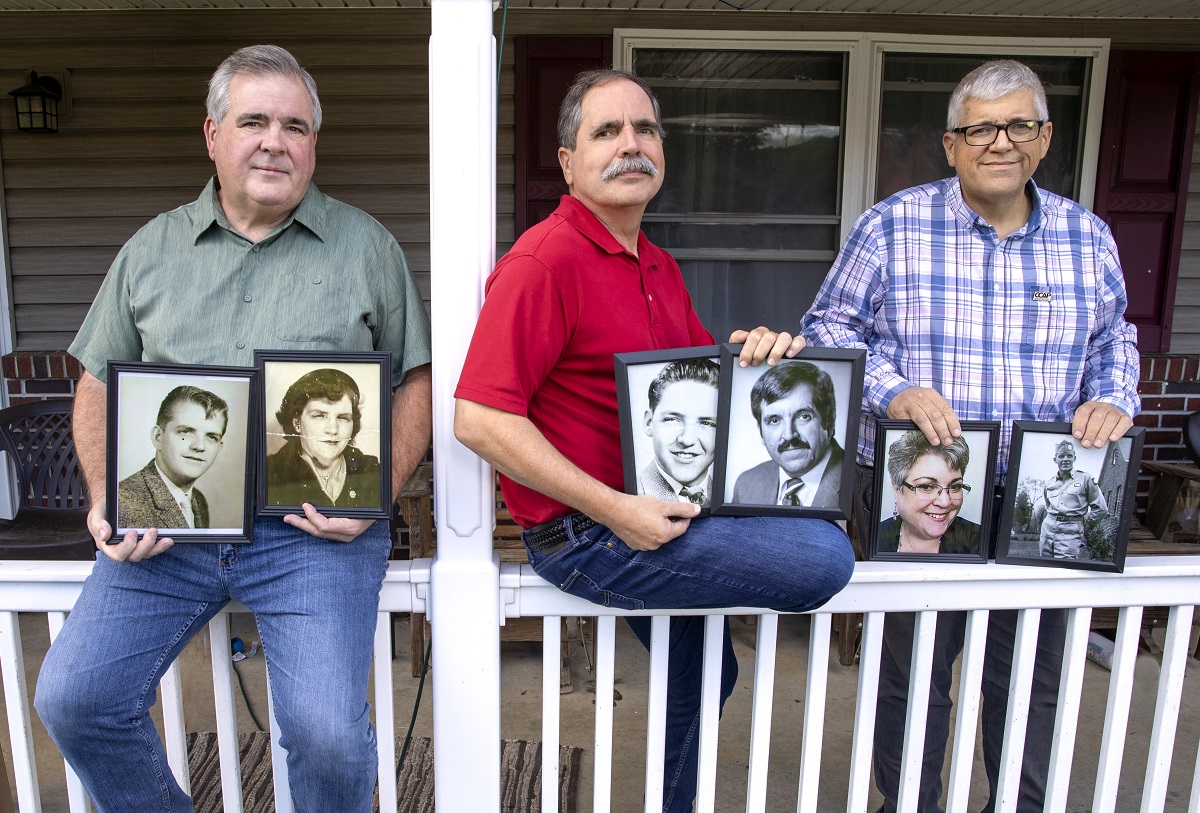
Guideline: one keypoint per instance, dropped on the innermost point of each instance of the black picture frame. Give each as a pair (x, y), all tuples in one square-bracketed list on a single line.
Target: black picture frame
[(362, 462), (140, 455), (1024, 538), (650, 448), (746, 477), (965, 526)]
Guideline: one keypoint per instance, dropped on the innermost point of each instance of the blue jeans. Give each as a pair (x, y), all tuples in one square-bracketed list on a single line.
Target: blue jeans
[(779, 563), (315, 604)]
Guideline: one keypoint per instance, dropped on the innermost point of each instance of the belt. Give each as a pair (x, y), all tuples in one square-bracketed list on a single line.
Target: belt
[(1065, 516), (554, 533)]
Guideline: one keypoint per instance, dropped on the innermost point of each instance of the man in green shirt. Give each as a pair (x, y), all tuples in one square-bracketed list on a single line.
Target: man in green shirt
[(261, 260)]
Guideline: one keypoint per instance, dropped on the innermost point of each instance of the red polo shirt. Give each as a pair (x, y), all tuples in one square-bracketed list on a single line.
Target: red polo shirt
[(559, 305)]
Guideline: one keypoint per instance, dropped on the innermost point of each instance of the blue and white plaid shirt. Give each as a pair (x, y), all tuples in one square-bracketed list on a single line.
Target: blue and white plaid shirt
[(1024, 328)]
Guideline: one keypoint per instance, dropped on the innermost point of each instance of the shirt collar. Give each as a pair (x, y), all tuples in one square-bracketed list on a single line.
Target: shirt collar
[(178, 493), (811, 478), (676, 486), (582, 218), (968, 217), (312, 213)]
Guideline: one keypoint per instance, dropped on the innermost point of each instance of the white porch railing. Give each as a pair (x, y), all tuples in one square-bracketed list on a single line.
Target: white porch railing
[(51, 588), (1165, 581)]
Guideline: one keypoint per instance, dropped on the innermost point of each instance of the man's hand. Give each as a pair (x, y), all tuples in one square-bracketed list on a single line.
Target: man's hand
[(129, 549), (929, 410), (335, 529), (1096, 423), (644, 523), (763, 344)]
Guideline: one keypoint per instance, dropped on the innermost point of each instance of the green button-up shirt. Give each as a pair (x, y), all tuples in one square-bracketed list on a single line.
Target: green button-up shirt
[(188, 289)]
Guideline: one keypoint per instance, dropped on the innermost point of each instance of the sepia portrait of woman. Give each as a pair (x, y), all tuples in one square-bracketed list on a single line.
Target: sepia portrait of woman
[(319, 464)]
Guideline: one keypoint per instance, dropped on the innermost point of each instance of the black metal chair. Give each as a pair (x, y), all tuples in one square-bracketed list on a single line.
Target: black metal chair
[(52, 505), (1191, 436)]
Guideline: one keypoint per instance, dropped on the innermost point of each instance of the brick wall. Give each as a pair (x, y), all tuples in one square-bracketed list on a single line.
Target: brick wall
[(39, 376), (1170, 390)]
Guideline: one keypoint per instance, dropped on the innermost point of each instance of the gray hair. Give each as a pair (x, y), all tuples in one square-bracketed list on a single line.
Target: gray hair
[(258, 61), (989, 82), (570, 113), (913, 445)]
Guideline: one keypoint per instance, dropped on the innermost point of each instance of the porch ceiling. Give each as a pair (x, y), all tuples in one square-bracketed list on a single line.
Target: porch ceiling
[(1092, 9)]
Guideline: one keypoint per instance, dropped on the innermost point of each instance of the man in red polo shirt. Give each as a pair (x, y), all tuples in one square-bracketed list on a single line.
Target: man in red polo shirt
[(537, 399)]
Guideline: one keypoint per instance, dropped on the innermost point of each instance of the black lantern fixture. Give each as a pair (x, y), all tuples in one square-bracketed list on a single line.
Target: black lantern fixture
[(37, 104)]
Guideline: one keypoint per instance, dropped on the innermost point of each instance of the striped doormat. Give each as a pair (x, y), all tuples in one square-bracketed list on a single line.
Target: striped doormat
[(520, 775)]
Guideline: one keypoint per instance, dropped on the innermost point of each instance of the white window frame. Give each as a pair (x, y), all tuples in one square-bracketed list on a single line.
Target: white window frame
[(864, 84)]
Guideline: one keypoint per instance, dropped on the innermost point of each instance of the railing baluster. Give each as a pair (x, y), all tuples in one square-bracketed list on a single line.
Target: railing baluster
[(227, 735), (170, 688), (760, 720), (710, 712), (1116, 716), (1016, 718), (1066, 723), (864, 713), (77, 798), (606, 626), (20, 728), (656, 711), (814, 711), (551, 701), (970, 680), (1166, 708), (279, 767), (918, 709), (385, 713)]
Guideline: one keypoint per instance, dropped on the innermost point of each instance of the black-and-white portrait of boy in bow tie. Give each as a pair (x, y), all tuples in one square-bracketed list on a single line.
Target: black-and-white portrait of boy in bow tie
[(680, 419)]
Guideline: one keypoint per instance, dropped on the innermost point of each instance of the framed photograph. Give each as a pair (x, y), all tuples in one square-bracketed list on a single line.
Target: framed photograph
[(1067, 506), (933, 503), (327, 438), (668, 410), (784, 433), (179, 452)]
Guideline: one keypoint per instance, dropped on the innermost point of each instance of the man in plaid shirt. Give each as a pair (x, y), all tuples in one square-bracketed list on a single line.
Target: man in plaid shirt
[(980, 297)]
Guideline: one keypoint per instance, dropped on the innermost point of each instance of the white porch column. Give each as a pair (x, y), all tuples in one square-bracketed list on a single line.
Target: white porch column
[(464, 603)]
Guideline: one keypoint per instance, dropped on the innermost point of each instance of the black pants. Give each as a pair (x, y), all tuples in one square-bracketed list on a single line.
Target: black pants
[(892, 711)]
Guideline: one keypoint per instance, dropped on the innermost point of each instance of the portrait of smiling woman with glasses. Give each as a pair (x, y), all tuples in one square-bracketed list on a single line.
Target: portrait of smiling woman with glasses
[(929, 490)]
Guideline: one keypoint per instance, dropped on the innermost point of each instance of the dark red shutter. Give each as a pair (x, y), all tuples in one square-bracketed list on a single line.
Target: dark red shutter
[(545, 68), (1142, 178)]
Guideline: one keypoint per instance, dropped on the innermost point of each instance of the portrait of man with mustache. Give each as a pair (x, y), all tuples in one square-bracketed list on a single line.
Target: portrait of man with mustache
[(795, 409)]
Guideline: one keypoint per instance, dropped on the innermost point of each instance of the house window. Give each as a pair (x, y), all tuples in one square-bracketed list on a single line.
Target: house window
[(777, 142), (751, 196), (913, 98)]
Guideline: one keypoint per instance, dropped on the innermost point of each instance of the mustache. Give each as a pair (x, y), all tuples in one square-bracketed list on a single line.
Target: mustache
[(792, 443), (632, 163)]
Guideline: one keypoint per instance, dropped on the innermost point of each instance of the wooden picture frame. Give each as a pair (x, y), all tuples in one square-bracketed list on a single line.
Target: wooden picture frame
[(1052, 509), (179, 453), (933, 503), (327, 430), (752, 455), (669, 422)]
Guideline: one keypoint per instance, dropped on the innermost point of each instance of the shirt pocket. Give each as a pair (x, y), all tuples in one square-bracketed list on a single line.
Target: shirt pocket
[(1055, 319), (314, 309)]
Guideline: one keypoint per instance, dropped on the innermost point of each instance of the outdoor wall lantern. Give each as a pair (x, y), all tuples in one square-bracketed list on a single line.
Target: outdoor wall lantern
[(37, 104)]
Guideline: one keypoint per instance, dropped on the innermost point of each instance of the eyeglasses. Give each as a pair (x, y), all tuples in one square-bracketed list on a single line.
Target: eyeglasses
[(933, 490), (984, 135)]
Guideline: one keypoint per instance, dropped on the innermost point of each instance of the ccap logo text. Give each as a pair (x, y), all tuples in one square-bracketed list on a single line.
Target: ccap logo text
[(1041, 296)]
